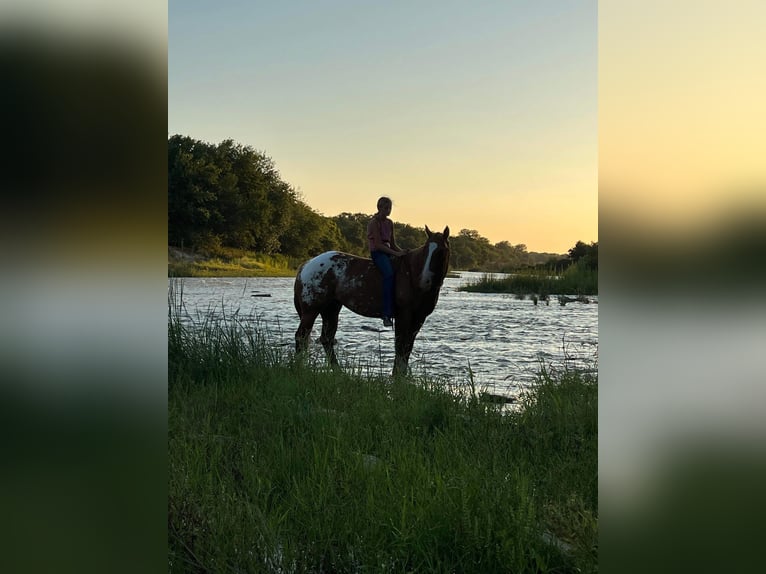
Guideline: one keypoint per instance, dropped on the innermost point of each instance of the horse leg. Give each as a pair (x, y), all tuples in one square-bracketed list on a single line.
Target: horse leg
[(329, 328), (410, 342), (402, 327), (405, 340), (304, 330)]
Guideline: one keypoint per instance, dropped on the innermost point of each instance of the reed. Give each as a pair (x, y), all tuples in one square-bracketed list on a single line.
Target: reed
[(575, 280), (278, 463)]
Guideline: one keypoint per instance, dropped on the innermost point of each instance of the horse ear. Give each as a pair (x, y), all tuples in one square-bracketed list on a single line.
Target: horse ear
[(428, 231), (446, 232)]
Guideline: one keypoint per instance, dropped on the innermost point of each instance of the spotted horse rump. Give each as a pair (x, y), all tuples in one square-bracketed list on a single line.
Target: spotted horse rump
[(333, 279)]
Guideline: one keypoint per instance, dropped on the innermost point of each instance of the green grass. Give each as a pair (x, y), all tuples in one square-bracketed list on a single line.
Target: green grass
[(229, 262), (280, 465), (575, 280)]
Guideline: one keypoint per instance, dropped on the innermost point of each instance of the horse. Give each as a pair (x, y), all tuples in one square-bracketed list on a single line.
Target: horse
[(332, 280)]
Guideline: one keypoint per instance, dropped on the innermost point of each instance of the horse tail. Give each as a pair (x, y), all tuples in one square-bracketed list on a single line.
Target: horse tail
[(297, 288)]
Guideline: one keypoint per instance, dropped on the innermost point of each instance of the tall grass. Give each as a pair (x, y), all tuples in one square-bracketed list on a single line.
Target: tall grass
[(280, 465), (575, 280), (230, 262)]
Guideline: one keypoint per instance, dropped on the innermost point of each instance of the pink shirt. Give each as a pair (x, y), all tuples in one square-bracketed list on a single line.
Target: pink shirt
[(386, 231)]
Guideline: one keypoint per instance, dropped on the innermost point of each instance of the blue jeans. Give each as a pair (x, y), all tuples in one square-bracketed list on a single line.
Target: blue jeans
[(383, 262)]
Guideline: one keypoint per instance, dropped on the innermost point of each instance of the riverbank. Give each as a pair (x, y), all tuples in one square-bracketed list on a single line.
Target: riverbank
[(232, 263), (228, 262), (278, 464)]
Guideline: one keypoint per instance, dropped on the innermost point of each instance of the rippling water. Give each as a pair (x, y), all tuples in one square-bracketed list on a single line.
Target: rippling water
[(495, 339)]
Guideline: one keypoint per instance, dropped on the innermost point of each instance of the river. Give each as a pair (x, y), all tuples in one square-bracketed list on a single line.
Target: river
[(496, 341)]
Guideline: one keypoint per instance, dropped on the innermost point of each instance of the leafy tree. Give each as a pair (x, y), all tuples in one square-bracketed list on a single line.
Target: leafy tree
[(578, 251), (309, 233), (254, 200), (470, 250), (507, 257), (409, 237), (353, 229), (193, 183), (591, 257), (586, 254), (227, 194)]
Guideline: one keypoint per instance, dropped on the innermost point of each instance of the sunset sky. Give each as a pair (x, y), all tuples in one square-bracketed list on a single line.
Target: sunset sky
[(477, 115)]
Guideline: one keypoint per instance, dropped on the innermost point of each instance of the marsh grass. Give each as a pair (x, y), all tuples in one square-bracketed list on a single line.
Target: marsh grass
[(575, 280), (229, 262), (280, 464)]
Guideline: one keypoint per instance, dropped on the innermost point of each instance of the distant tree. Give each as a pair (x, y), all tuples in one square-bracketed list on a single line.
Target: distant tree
[(470, 234), (590, 260), (586, 255), (353, 229), (309, 233), (470, 251), (409, 237), (507, 257), (578, 251)]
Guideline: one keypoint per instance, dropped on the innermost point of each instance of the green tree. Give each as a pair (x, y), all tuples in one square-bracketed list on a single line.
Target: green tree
[(578, 251), (507, 257), (353, 229), (409, 237), (193, 183), (227, 194), (586, 255), (254, 200), (309, 233), (470, 251)]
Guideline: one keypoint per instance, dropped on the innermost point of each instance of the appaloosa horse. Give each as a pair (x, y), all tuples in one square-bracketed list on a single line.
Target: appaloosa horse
[(333, 279)]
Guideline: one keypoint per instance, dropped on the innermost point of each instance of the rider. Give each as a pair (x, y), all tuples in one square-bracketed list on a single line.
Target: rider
[(380, 233)]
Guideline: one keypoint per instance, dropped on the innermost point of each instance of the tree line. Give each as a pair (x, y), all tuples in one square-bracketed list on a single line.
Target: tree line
[(231, 196)]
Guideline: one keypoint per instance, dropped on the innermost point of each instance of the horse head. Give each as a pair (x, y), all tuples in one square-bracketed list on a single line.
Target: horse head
[(435, 260)]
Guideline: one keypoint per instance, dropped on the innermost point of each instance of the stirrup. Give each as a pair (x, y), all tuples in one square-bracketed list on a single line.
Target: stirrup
[(387, 322)]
